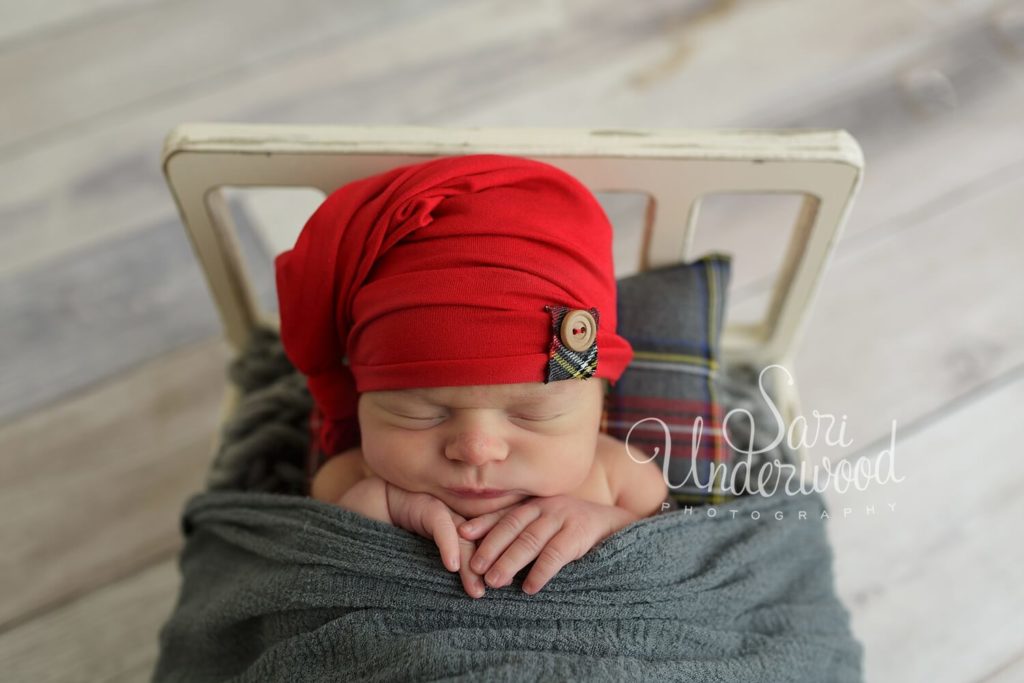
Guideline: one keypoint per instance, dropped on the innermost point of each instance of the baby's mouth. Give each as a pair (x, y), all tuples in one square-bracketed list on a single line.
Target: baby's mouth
[(471, 493)]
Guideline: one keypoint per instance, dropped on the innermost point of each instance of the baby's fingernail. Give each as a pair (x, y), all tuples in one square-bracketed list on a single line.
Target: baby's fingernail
[(478, 564), (452, 563), (468, 526)]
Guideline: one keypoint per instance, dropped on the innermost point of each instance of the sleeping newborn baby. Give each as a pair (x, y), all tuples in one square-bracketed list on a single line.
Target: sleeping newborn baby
[(475, 453), (456, 323)]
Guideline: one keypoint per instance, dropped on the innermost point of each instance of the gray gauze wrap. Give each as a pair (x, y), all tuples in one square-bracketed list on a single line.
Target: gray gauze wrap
[(280, 587)]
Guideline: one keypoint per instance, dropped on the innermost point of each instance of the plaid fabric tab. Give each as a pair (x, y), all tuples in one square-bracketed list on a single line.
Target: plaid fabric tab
[(563, 362), (673, 318)]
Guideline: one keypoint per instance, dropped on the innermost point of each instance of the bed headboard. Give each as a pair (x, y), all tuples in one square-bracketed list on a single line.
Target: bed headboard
[(674, 167)]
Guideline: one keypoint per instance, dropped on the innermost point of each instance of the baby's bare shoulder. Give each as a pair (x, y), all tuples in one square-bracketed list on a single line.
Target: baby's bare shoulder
[(636, 486), (339, 474)]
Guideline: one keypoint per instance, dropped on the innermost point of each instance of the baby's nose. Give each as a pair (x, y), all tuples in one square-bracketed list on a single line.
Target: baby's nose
[(476, 448)]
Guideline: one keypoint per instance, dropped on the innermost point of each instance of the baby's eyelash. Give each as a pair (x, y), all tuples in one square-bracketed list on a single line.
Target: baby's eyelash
[(527, 418)]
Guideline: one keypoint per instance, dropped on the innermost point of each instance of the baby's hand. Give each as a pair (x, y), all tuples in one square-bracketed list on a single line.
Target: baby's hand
[(430, 517), (555, 530)]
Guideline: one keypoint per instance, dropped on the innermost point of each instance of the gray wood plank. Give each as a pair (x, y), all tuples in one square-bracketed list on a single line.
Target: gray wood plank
[(507, 67), (93, 486), (909, 322), (105, 636), (56, 196), (102, 310), (934, 583), (70, 77), (923, 155), (1011, 671), (21, 22)]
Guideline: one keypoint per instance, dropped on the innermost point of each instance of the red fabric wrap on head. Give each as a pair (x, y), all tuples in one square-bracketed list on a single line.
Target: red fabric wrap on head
[(438, 274)]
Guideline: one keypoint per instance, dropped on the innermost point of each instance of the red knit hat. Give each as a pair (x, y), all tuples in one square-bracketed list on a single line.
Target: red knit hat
[(479, 269)]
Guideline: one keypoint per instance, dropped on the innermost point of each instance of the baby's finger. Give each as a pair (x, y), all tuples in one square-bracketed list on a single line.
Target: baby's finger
[(471, 581), (565, 547), (478, 526), (504, 532), (522, 551), (439, 524)]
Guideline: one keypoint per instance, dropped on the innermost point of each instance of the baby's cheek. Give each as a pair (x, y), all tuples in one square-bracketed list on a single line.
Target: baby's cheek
[(399, 463), (564, 472)]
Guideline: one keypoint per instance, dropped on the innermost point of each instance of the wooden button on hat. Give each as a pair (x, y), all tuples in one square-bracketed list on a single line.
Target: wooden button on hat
[(578, 330), (573, 350)]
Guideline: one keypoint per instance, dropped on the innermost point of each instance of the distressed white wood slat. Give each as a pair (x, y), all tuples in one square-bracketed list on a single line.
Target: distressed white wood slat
[(672, 166), (92, 487), (105, 636), (934, 584)]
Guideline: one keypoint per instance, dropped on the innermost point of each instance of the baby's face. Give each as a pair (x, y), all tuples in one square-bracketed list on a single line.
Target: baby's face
[(523, 440)]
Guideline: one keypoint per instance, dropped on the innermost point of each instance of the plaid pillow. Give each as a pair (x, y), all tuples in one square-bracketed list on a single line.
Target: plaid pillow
[(673, 318)]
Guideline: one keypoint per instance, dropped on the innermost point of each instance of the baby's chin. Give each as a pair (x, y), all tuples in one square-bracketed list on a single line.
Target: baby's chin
[(474, 507)]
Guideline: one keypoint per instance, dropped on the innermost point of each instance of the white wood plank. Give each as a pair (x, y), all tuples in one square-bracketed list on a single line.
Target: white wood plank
[(908, 322), (689, 74), (84, 74), (102, 180), (23, 21), (92, 488), (919, 160), (105, 636), (1007, 672), (934, 584), (73, 76), (58, 196), (103, 310)]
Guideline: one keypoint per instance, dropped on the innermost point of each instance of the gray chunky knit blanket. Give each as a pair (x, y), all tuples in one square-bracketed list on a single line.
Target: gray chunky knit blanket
[(279, 587)]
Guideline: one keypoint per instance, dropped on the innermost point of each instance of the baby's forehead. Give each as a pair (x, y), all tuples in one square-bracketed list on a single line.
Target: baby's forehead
[(534, 393)]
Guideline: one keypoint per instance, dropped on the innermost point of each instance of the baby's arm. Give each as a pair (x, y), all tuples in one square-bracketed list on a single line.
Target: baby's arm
[(338, 475), (638, 487), (369, 498), (345, 481)]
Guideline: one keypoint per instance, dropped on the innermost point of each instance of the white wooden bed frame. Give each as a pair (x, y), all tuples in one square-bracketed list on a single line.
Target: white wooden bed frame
[(674, 167)]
